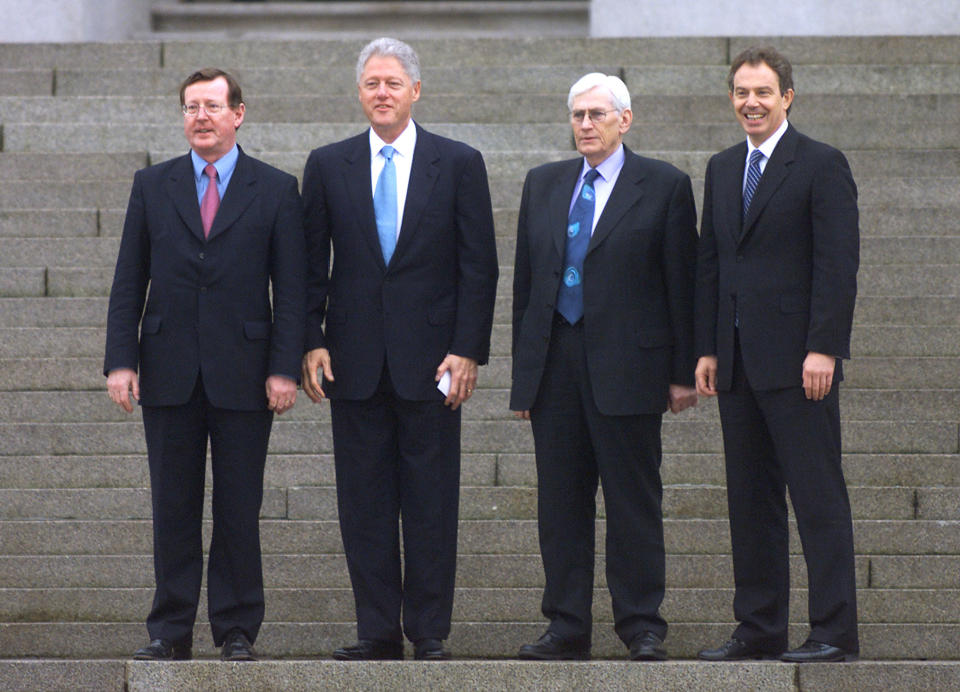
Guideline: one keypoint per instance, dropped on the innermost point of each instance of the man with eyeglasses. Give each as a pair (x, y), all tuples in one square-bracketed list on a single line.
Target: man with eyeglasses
[(602, 346), (209, 356)]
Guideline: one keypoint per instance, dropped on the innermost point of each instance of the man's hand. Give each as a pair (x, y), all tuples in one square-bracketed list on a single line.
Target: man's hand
[(463, 378), (682, 397), (818, 375), (317, 359), (706, 376), (120, 384), (525, 415), (281, 393)]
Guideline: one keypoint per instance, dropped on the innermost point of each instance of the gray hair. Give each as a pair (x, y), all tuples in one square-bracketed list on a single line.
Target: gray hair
[(392, 48), (619, 94)]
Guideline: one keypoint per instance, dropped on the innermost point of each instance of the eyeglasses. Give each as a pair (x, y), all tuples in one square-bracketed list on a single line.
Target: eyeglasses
[(596, 115), (193, 109)]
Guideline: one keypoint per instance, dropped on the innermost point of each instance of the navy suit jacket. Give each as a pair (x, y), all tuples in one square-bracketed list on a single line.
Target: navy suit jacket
[(209, 309), (437, 294), (637, 291), (789, 269)]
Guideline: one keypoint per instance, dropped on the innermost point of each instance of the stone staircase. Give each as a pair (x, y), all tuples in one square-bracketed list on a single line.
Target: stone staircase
[(222, 19), (75, 538)]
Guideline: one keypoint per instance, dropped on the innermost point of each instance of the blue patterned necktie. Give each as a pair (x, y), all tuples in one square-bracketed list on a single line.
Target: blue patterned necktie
[(753, 179), (385, 204), (579, 227)]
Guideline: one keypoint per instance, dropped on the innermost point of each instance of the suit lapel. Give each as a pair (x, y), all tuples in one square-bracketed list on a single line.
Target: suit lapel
[(558, 205), (356, 176), (240, 193), (182, 188), (424, 170), (774, 173), (625, 194)]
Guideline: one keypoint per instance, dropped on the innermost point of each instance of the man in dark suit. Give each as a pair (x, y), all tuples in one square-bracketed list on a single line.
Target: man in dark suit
[(776, 283), (602, 346), (405, 310), (215, 358)]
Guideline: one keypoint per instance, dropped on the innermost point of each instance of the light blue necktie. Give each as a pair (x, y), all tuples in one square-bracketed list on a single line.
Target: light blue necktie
[(753, 179), (385, 204), (579, 227)]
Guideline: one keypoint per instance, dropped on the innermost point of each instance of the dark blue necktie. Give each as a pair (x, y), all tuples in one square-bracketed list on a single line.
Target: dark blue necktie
[(385, 204), (753, 179), (579, 227)]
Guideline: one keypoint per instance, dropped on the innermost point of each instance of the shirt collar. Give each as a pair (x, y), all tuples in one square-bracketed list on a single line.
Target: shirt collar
[(609, 166), (767, 147), (224, 165), (404, 144)]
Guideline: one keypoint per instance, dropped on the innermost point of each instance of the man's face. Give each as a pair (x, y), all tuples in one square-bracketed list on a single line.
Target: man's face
[(757, 101), (211, 136), (597, 140), (387, 95)]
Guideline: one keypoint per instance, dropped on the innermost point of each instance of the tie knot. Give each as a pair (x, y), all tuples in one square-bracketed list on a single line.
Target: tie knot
[(387, 152), (211, 171), (755, 156), (590, 176)]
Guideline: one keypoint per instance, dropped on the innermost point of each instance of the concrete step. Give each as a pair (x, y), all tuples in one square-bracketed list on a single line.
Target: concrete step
[(478, 436), (478, 676), (913, 471), (515, 536), (336, 605), (56, 167), (482, 571), (342, 19), (669, 79), (52, 223), (320, 502), (256, 137), (467, 640), (337, 102), (488, 403)]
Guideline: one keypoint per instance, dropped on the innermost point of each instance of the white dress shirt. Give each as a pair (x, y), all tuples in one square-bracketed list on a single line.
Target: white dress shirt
[(766, 149), (609, 170), (402, 161)]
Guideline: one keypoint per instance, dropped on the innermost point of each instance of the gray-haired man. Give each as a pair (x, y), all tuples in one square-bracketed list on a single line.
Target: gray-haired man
[(406, 309)]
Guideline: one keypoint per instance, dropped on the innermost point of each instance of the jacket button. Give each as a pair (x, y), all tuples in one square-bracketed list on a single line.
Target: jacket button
[(202, 255), (203, 289), (739, 258)]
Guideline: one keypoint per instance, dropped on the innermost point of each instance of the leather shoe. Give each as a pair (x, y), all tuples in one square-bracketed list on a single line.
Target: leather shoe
[(735, 650), (164, 650), (430, 650), (553, 647), (647, 647), (818, 652), (236, 647), (370, 650)]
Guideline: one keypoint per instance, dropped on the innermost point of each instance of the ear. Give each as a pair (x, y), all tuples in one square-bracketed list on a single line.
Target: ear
[(626, 119)]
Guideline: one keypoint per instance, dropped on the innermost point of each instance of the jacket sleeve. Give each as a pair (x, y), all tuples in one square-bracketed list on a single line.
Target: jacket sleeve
[(707, 276), (316, 228)]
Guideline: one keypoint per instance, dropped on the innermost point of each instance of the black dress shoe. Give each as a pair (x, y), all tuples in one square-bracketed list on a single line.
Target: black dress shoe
[(236, 647), (553, 647), (647, 647), (163, 650), (430, 650), (818, 652), (370, 650), (735, 650)]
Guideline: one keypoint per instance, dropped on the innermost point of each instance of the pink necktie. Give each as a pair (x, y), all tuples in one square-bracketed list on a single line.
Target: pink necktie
[(211, 199)]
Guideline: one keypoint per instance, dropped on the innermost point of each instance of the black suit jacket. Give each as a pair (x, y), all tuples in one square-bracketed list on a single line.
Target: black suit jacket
[(437, 294), (789, 269), (637, 291), (209, 309)]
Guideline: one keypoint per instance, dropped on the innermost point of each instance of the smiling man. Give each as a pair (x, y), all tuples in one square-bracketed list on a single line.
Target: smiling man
[(602, 347), (396, 330), (210, 357), (776, 284)]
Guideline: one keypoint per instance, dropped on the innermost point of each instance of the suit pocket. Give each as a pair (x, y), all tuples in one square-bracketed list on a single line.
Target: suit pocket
[(794, 302), (150, 324), (256, 330)]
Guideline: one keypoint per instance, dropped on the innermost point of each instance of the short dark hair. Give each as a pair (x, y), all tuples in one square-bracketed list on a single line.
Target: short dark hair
[(768, 55), (208, 74)]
